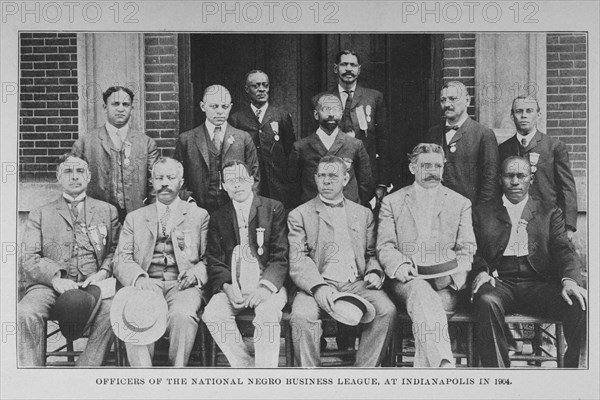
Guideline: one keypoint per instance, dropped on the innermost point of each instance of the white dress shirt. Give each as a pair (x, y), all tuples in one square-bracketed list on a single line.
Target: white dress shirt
[(424, 214), (210, 127), (161, 208), (79, 198), (263, 110), (518, 242), (344, 95), (527, 138), (117, 135), (450, 134), (327, 139)]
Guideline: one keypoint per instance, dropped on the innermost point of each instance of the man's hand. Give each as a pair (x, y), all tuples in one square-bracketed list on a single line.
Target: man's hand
[(144, 283), (324, 297), (373, 280), (98, 276), (480, 279), (260, 294), (405, 273), (236, 302), (571, 288), (570, 234), (62, 285), (185, 280)]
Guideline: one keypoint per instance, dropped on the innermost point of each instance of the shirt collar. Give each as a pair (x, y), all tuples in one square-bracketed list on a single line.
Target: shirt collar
[(112, 130), (173, 206), (527, 138), (211, 128), (244, 205), (69, 198), (342, 90), (421, 191), (461, 121), (263, 108), (509, 205), (322, 133), (329, 202)]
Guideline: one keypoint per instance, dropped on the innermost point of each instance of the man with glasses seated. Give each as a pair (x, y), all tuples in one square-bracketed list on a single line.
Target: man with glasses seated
[(206, 148), (524, 263), (247, 267)]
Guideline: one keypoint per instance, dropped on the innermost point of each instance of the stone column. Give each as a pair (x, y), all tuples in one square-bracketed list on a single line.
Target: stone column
[(109, 59), (508, 65)]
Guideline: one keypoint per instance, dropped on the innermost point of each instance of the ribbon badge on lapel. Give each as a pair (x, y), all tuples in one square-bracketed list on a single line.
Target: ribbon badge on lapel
[(275, 128), (103, 232), (362, 118), (94, 236), (127, 151), (184, 242), (533, 160), (230, 140), (368, 109), (260, 240)]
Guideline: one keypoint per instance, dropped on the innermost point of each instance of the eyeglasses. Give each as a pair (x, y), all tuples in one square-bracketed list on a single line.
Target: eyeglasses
[(520, 176), (259, 84), (233, 181)]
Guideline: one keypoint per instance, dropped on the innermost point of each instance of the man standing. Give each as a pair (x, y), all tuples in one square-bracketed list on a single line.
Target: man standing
[(247, 266), (119, 158), (524, 263), (332, 250), (424, 231), (161, 248), (68, 244), (205, 149), (329, 140), (364, 116), (273, 135), (548, 157), (471, 149)]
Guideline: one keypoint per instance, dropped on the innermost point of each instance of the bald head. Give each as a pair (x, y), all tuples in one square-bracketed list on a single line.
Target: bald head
[(216, 104)]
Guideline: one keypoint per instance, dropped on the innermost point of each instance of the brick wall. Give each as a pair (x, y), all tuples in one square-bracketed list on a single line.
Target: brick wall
[(567, 95), (162, 90), (49, 101), (458, 62)]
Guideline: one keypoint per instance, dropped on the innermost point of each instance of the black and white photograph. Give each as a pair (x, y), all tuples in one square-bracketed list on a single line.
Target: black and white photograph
[(296, 199)]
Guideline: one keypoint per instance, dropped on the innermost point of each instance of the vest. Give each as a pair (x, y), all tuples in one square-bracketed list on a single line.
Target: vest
[(163, 265), (83, 261)]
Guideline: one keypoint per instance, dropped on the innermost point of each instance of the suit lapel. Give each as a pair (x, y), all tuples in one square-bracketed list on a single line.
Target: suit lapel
[(105, 140), (459, 133), (267, 117), (533, 142), (228, 139), (232, 216), (411, 202), (317, 145), (152, 220), (321, 210), (353, 230), (200, 139), (357, 95), (440, 200), (528, 211), (63, 210), (502, 214), (339, 141), (181, 214)]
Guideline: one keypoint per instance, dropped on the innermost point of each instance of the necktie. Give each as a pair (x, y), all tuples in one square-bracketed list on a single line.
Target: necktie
[(258, 112), (217, 138), (164, 219), (448, 128), (346, 122), (524, 142), (334, 205), (74, 210)]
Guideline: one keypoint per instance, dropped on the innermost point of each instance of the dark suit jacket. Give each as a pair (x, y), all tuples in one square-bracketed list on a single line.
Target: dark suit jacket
[(550, 252), (553, 181), (272, 154), (304, 163), (94, 147), (472, 170), (48, 239), (192, 151), (375, 138), (223, 236)]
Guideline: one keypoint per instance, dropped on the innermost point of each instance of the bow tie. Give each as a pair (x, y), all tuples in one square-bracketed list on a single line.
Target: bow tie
[(334, 205), (449, 128)]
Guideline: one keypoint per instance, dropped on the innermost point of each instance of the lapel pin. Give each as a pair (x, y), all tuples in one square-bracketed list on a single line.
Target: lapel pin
[(260, 240)]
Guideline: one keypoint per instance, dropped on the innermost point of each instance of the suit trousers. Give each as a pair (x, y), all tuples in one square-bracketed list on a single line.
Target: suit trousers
[(182, 326), (37, 305), (375, 337), (529, 296), (219, 317), (427, 310)]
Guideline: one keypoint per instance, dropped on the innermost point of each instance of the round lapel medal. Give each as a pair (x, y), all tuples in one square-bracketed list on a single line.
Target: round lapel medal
[(277, 137), (452, 148)]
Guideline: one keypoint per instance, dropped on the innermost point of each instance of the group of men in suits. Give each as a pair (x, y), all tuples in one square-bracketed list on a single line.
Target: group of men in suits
[(248, 173)]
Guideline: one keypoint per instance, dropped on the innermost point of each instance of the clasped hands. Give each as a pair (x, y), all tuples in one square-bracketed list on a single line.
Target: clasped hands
[(252, 300)]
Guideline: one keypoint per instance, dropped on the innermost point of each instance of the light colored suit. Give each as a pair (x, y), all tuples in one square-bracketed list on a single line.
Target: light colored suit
[(48, 245), (311, 232), (398, 241), (134, 256)]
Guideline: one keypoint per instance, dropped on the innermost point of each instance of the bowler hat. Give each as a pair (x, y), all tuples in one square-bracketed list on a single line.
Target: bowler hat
[(76, 309), (351, 309), (138, 316)]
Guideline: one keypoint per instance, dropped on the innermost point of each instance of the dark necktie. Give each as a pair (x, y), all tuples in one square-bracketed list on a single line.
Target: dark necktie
[(524, 142), (346, 122), (217, 139), (448, 128)]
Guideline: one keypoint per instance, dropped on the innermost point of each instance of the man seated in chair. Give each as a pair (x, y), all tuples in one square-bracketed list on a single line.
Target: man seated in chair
[(524, 263), (162, 248), (332, 250), (425, 244), (247, 266), (68, 243)]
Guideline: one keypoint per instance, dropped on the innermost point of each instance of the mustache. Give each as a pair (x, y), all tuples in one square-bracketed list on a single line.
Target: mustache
[(162, 190), (432, 178)]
